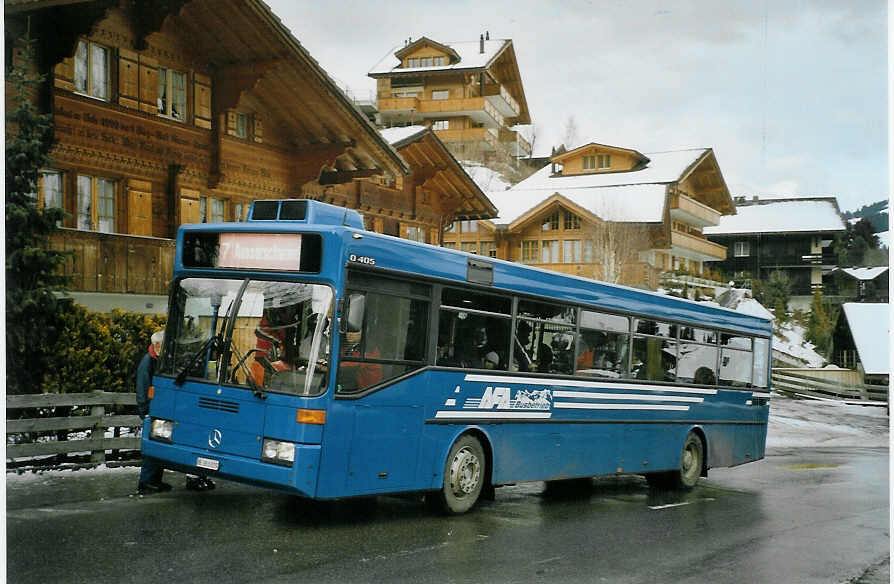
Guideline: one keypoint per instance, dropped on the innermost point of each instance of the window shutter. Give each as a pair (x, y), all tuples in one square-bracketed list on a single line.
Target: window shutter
[(63, 74), (148, 85), (128, 79), (202, 96), (139, 207), (258, 130), (231, 123), (189, 206)]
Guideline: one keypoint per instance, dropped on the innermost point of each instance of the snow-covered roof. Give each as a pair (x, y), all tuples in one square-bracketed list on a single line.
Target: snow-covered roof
[(488, 180), (470, 57), (781, 216), (395, 135), (636, 197), (869, 328), (865, 273)]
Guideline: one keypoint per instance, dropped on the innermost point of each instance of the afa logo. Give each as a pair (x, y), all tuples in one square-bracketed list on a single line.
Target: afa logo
[(501, 398)]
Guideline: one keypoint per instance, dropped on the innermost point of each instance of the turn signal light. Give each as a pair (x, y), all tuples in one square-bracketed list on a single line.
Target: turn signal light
[(311, 417), (151, 392)]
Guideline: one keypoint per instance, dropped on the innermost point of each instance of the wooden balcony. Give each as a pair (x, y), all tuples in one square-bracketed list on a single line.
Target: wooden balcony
[(516, 143), (478, 109), (690, 211), (501, 99), (113, 263), (484, 137), (398, 104), (687, 245)]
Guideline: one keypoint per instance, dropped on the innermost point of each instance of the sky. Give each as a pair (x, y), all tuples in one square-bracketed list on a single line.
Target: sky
[(792, 95)]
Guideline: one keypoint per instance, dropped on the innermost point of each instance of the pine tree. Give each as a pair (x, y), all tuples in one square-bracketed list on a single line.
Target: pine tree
[(819, 326), (31, 268)]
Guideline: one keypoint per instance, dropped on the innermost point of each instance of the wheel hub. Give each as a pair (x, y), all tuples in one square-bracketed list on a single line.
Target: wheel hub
[(465, 472)]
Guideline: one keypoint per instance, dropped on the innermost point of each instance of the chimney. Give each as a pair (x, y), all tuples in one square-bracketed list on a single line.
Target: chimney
[(487, 35), (481, 45), (754, 198)]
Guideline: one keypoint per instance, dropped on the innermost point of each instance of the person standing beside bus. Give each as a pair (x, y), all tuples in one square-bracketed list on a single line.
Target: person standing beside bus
[(151, 472)]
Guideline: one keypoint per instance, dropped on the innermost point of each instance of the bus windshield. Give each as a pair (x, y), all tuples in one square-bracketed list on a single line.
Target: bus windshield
[(258, 334)]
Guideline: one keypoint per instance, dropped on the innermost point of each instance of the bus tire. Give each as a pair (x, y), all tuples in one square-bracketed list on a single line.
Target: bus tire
[(464, 476), (691, 461)]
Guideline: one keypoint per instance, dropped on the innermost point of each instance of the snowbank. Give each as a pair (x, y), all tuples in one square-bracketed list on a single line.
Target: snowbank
[(809, 423)]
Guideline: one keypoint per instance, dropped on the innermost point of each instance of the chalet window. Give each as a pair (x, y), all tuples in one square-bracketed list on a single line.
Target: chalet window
[(488, 248), (242, 124), (742, 249), (50, 189), (550, 222), (449, 245), (530, 251), (469, 227), (172, 94), (572, 221), (425, 62), (549, 252), (571, 252), (96, 204), (217, 211), (416, 234), (438, 61), (440, 94), (589, 162), (452, 227), (440, 125), (412, 62), (238, 212), (470, 247), (91, 70), (589, 256), (605, 160)]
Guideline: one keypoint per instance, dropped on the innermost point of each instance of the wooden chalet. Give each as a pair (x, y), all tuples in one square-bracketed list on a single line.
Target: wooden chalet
[(469, 93), (573, 214), (185, 111)]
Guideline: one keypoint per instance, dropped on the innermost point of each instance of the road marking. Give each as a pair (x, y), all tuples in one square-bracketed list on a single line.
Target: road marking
[(669, 505)]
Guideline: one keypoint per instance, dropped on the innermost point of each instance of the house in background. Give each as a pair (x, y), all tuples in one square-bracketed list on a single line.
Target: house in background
[(860, 284), (792, 235), (469, 93), (861, 341), (571, 214)]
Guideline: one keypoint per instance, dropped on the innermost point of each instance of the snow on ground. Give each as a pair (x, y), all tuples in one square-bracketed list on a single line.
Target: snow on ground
[(810, 423), (788, 338)]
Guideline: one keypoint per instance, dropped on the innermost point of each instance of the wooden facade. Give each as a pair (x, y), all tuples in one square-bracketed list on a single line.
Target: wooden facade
[(561, 232), (469, 93), (181, 111)]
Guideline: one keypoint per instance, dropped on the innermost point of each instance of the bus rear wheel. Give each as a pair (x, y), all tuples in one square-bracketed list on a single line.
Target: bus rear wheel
[(464, 476), (692, 459)]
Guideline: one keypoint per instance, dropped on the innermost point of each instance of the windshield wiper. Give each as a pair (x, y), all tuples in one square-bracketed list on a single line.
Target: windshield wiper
[(212, 343)]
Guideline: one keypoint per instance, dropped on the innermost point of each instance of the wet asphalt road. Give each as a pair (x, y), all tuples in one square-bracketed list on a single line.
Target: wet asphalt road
[(801, 515)]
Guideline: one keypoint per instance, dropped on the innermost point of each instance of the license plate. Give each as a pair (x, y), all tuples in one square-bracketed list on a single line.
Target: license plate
[(208, 463)]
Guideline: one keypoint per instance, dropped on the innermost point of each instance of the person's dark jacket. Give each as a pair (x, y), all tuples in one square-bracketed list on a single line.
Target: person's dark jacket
[(145, 370)]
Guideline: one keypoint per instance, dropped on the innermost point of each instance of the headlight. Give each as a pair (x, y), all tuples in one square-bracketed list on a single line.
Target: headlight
[(162, 430), (278, 452)]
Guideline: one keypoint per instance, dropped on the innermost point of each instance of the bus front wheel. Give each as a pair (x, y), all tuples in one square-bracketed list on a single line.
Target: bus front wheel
[(464, 476)]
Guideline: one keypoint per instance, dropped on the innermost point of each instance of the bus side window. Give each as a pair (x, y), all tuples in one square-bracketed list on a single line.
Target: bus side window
[(603, 346)]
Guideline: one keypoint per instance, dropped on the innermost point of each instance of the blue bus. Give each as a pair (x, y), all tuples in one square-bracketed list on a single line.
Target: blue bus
[(308, 355)]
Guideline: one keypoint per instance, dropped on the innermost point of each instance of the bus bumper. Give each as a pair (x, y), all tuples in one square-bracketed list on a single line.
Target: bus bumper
[(300, 478)]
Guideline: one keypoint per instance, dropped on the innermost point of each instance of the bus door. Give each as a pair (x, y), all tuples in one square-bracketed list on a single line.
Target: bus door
[(383, 337)]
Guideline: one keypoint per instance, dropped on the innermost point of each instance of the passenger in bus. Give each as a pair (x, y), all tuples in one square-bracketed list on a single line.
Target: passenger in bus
[(276, 342), (485, 355), (561, 345), (521, 360), (353, 375)]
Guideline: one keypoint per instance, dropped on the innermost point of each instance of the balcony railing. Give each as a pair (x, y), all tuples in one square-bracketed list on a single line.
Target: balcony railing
[(707, 249), (691, 211), (484, 136), (106, 262), (478, 109), (516, 143), (500, 97)]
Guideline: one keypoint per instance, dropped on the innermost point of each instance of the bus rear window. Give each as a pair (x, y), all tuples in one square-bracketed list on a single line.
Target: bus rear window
[(287, 252)]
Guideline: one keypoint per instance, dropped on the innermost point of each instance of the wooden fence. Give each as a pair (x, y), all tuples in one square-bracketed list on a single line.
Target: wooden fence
[(36, 437), (799, 382)]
